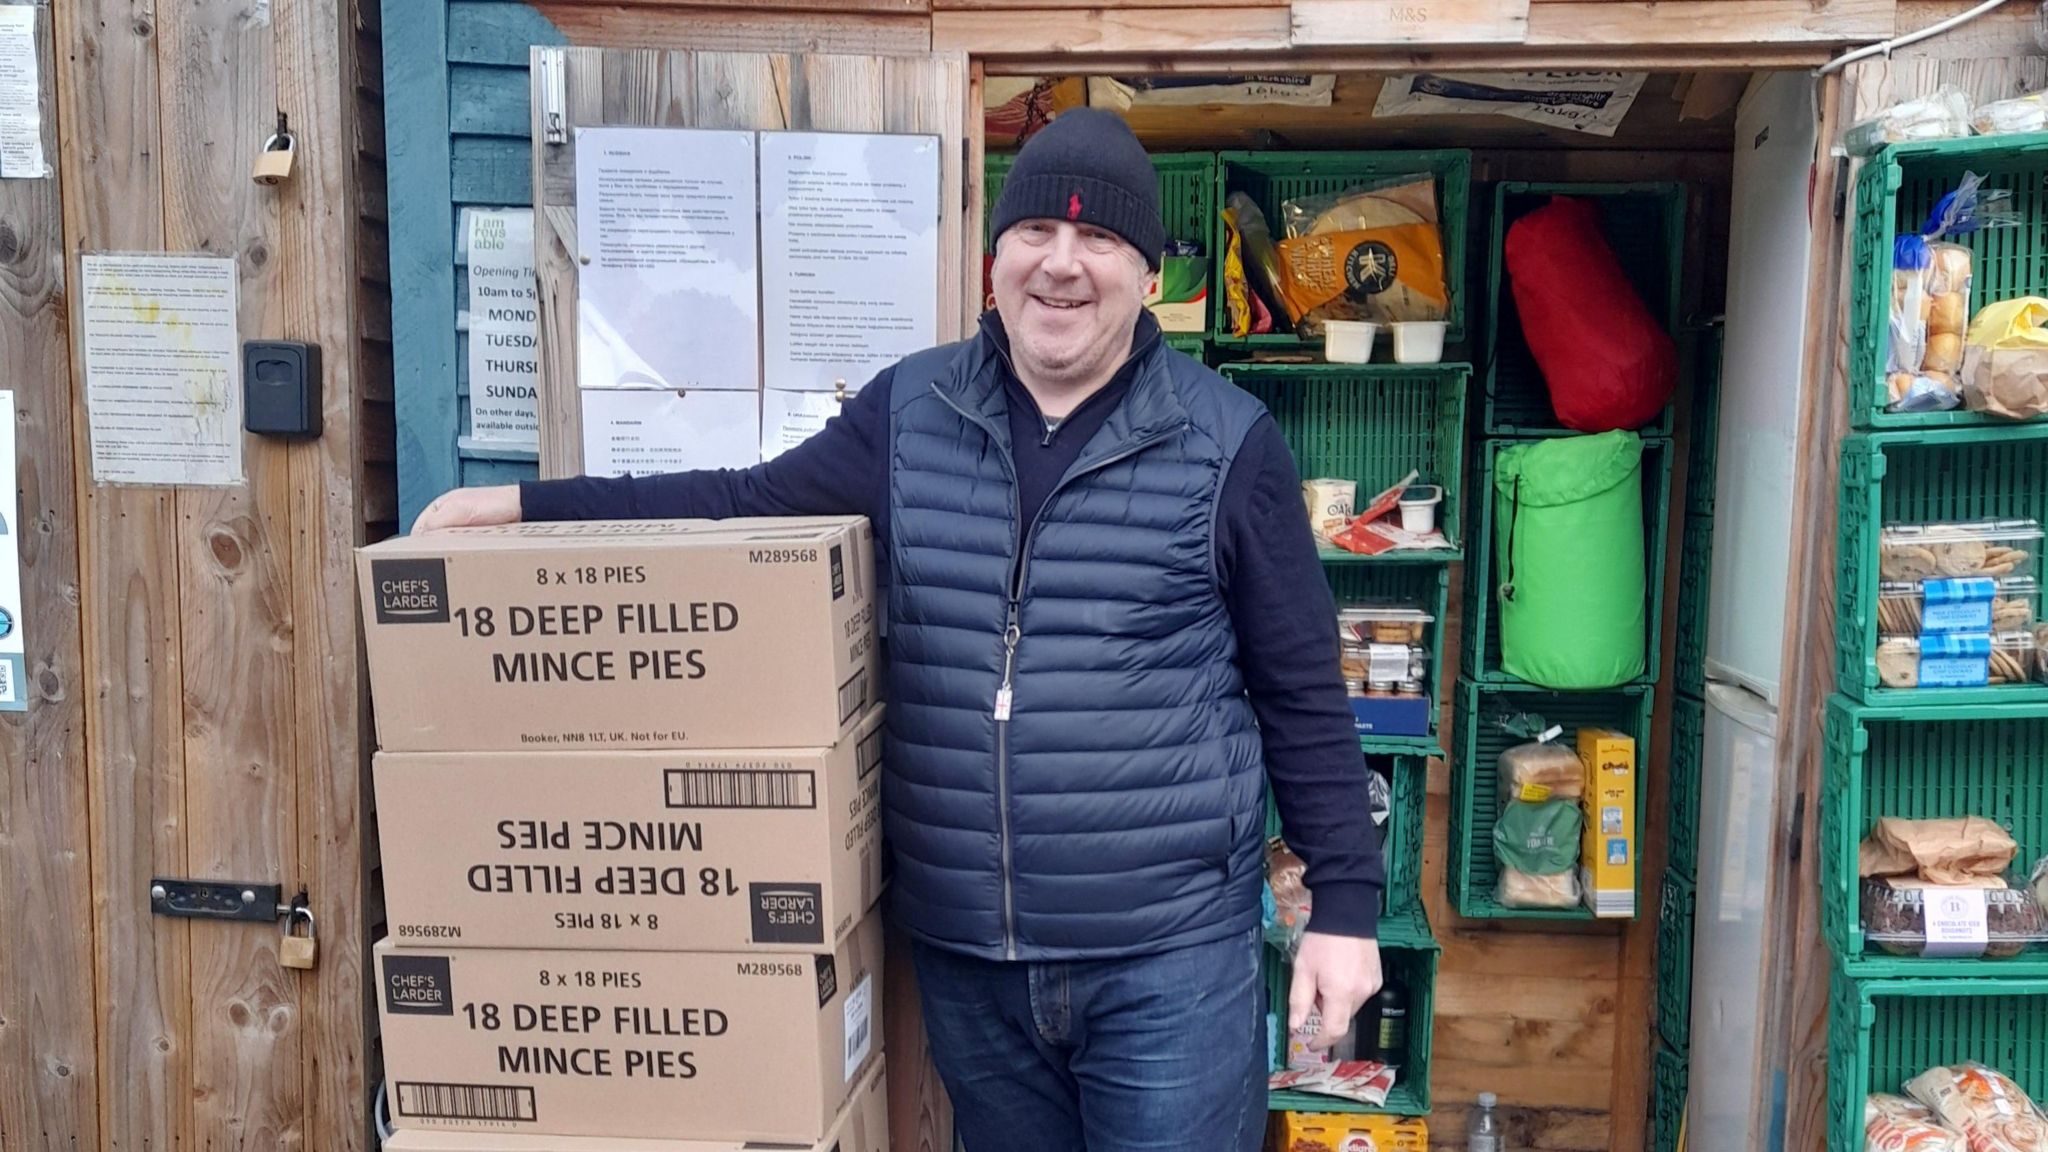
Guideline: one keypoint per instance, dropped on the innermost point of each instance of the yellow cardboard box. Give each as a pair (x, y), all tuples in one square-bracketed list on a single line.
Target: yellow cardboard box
[(1607, 858), (1344, 1132)]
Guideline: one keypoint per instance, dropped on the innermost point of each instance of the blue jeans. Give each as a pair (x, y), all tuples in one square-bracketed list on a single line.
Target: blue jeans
[(1153, 1052)]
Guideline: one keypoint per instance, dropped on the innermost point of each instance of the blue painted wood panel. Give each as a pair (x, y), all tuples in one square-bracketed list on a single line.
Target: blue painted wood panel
[(457, 124)]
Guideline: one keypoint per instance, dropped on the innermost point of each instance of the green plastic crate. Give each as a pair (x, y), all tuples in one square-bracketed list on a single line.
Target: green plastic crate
[(1272, 178), (1695, 570), (1475, 800), (1371, 423), (1969, 760), (1682, 806), (1189, 343), (1408, 952), (1895, 191), (1187, 204), (1407, 789), (1959, 474), (1668, 1085), (1704, 427), (1427, 585), (1882, 1033), (1674, 960), (1645, 226), (1481, 620)]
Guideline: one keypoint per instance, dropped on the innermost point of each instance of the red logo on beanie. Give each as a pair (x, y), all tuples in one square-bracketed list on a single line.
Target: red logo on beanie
[(1074, 206)]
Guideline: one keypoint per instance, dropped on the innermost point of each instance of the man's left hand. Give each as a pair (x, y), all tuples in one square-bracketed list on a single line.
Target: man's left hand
[(1335, 976)]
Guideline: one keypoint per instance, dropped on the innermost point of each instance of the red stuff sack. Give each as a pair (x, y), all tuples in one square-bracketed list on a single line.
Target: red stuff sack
[(1607, 361)]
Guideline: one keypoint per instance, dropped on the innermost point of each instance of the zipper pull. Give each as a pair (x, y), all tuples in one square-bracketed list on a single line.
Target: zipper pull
[(1010, 637)]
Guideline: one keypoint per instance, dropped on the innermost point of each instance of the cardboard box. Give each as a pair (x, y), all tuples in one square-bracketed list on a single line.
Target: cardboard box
[(862, 1127), (1344, 1132), (669, 1045), (1607, 855), (643, 634), (1390, 715), (761, 850)]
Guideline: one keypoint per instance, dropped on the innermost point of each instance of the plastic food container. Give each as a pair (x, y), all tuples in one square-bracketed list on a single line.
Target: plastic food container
[(1418, 508), (1419, 341), (1895, 921), (1348, 341), (1379, 667), (1995, 548), (1956, 660), (1956, 604), (1383, 623)]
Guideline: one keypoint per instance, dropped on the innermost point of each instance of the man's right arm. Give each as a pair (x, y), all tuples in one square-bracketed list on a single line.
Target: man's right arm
[(840, 471)]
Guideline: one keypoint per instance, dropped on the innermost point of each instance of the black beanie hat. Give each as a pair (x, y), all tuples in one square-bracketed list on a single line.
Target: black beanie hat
[(1086, 166)]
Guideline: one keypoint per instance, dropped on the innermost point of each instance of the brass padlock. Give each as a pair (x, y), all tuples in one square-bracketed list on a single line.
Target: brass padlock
[(274, 163), (298, 951)]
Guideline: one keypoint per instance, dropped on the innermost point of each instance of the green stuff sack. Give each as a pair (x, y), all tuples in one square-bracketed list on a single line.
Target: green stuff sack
[(1568, 522)]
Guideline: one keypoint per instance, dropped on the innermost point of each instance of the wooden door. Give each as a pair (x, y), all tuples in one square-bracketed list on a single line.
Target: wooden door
[(196, 705), (919, 93)]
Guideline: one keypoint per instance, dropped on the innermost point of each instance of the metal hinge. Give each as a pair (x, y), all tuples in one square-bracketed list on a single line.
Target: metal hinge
[(554, 96)]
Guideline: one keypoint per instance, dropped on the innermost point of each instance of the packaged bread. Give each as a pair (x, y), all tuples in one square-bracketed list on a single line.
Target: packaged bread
[(1930, 297), (1896, 1124), (2027, 113), (1984, 1105), (1519, 889), (1541, 770), (1962, 850), (1942, 114)]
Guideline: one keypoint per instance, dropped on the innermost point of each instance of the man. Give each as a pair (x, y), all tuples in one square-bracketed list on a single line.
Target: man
[(1107, 626)]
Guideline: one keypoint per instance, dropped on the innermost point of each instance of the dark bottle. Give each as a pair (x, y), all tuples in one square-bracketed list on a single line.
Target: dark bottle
[(1383, 1026)]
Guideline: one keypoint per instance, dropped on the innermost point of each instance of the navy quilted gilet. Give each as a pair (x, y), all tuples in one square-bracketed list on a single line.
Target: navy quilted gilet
[(1117, 809)]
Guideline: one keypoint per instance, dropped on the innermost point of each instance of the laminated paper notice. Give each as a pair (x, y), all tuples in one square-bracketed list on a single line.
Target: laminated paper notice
[(13, 689), (790, 418), (849, 255), (668, 288), (163, 370), (21, 96), (1590, 102), (504, 344), (637, 431)]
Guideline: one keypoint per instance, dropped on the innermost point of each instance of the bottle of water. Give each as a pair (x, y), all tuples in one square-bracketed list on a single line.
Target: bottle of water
[(1484, 1134)]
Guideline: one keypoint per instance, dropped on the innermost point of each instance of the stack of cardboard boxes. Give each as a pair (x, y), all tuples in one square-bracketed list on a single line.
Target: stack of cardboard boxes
[(628, 792)]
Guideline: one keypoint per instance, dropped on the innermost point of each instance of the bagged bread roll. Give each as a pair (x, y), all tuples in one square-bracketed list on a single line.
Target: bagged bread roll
[(1519, 889), (1983, 1104), (1954, 852), (1896, 1124), (1373, 253), (1541, 770)]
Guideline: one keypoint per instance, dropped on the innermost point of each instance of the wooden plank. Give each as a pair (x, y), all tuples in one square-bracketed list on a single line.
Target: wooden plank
[(50, 1093), (1008, 5), (488, 171), (320, 302), (842, 93), (1193, 31), (932, 96), (1581, 24), (1511, 1041), (1326, 23), (416, 55), (500, 32), (220, 69), (128, 548), (1563, 56), (742, 90), (736, 30), (487, 100), (898, 7)]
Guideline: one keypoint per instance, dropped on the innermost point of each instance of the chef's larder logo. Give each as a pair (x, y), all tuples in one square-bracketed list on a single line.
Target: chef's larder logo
[(411, 591), (788, 913)]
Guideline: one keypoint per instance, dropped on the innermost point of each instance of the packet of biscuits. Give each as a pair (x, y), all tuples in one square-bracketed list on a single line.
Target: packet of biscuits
[(1945, 551)]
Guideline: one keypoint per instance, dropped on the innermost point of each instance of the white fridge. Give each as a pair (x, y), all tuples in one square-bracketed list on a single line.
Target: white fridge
[(1735, 1102)]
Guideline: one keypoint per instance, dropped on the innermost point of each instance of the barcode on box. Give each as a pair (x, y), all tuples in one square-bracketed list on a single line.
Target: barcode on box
[(853, 696), (465, 1102), (739, 788)]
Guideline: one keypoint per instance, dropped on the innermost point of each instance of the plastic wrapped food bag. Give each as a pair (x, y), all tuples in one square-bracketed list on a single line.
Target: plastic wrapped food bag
[(1930, 312), (2027, 113), (1374, 252), (1896, 1124), (1983, 1104), (1941, 115)]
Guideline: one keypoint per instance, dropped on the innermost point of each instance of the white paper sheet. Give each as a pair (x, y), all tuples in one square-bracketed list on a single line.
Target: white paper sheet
[(163, 369), (625, 430), (13, 659), (21, 99), (849, 255), (1594, 103), (669, 288), (504, 341), (790, 418)]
